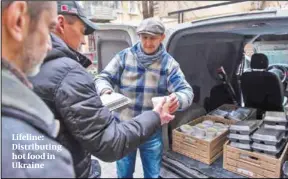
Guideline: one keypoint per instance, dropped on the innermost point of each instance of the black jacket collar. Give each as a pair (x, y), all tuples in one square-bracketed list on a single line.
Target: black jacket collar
[(60, 49)]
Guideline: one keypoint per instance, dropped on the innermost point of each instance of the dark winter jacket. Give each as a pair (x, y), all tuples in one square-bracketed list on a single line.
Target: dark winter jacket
[(25, 114), (86, 126)]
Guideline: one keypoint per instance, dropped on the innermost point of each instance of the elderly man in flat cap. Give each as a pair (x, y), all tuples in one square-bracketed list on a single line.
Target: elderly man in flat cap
[(142, 72)]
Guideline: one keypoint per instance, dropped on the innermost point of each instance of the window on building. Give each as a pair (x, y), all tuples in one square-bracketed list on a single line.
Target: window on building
[(98, 3), (117, 5), (111, 4), (108, 4), (133, 7)]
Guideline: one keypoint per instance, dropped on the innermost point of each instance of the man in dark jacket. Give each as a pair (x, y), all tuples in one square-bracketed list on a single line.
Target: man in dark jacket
[(69, 90), (28, 126)]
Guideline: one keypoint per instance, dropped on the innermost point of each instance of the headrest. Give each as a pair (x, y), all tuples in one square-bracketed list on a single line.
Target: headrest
[(259, 61)]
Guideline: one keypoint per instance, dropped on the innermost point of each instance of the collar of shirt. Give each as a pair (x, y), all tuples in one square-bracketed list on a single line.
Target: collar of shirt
[(15, 71)]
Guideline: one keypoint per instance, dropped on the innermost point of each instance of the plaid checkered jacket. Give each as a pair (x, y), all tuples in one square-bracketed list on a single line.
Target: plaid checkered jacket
[(141, 83)]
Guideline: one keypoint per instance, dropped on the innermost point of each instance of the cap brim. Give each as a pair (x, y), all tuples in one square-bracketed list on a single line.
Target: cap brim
[(91, 27), (147, 32)]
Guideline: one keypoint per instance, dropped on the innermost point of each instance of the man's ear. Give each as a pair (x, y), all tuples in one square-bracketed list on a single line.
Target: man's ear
[(17, 20), (60, 24)]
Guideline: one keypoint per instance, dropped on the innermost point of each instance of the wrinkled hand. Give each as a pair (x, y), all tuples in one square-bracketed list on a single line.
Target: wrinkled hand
[(106, 91), (174, 103), (164, 115)]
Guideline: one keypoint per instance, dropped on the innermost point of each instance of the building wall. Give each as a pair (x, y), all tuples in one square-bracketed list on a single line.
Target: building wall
[(164, 7), (129, 13), (126, 14), (276, 4)]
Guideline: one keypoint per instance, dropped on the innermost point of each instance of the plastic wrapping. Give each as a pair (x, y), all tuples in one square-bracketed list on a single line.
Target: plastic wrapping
[(206, 130), (219, 113), (241, 114)]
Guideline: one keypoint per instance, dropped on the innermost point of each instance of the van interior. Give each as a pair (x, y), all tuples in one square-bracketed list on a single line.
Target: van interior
[(201, 50)]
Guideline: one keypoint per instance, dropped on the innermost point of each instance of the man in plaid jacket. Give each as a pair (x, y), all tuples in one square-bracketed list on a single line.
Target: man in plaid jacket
[(142, 72)]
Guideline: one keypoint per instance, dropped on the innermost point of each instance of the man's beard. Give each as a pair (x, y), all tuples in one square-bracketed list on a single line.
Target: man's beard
[(34, 71), (32, 63)]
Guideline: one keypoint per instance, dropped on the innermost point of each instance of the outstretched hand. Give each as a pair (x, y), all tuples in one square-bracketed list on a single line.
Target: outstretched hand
[(174, 103), (164, 114)]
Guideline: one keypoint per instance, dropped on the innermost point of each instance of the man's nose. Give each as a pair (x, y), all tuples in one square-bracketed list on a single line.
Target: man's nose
[(148, 42), (83, 41)]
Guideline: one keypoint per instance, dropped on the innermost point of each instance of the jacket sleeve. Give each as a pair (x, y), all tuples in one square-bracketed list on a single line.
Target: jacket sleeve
[(110, 76), (60, 167), (93, 125), (178, 84)]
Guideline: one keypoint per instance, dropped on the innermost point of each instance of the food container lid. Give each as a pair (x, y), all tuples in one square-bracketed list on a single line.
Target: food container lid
[(269, 135), (248, 126), (275, 116), (211, 133), (240, 145), (239, 137), (187, 128), (199, 132), (276, 127), (268, 148), (285, 168), (208, 123), (220, 127)]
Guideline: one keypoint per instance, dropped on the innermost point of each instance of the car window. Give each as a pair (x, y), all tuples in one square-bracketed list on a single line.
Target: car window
[(276, 56), (276, 52)]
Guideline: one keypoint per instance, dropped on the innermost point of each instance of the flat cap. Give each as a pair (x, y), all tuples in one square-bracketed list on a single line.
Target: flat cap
[(151, 26)]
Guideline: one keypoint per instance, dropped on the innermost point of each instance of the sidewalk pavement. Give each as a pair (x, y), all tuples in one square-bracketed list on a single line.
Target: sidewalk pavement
[(108, 170)]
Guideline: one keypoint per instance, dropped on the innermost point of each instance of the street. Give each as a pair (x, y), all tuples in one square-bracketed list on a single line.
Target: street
[(108, 170)]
